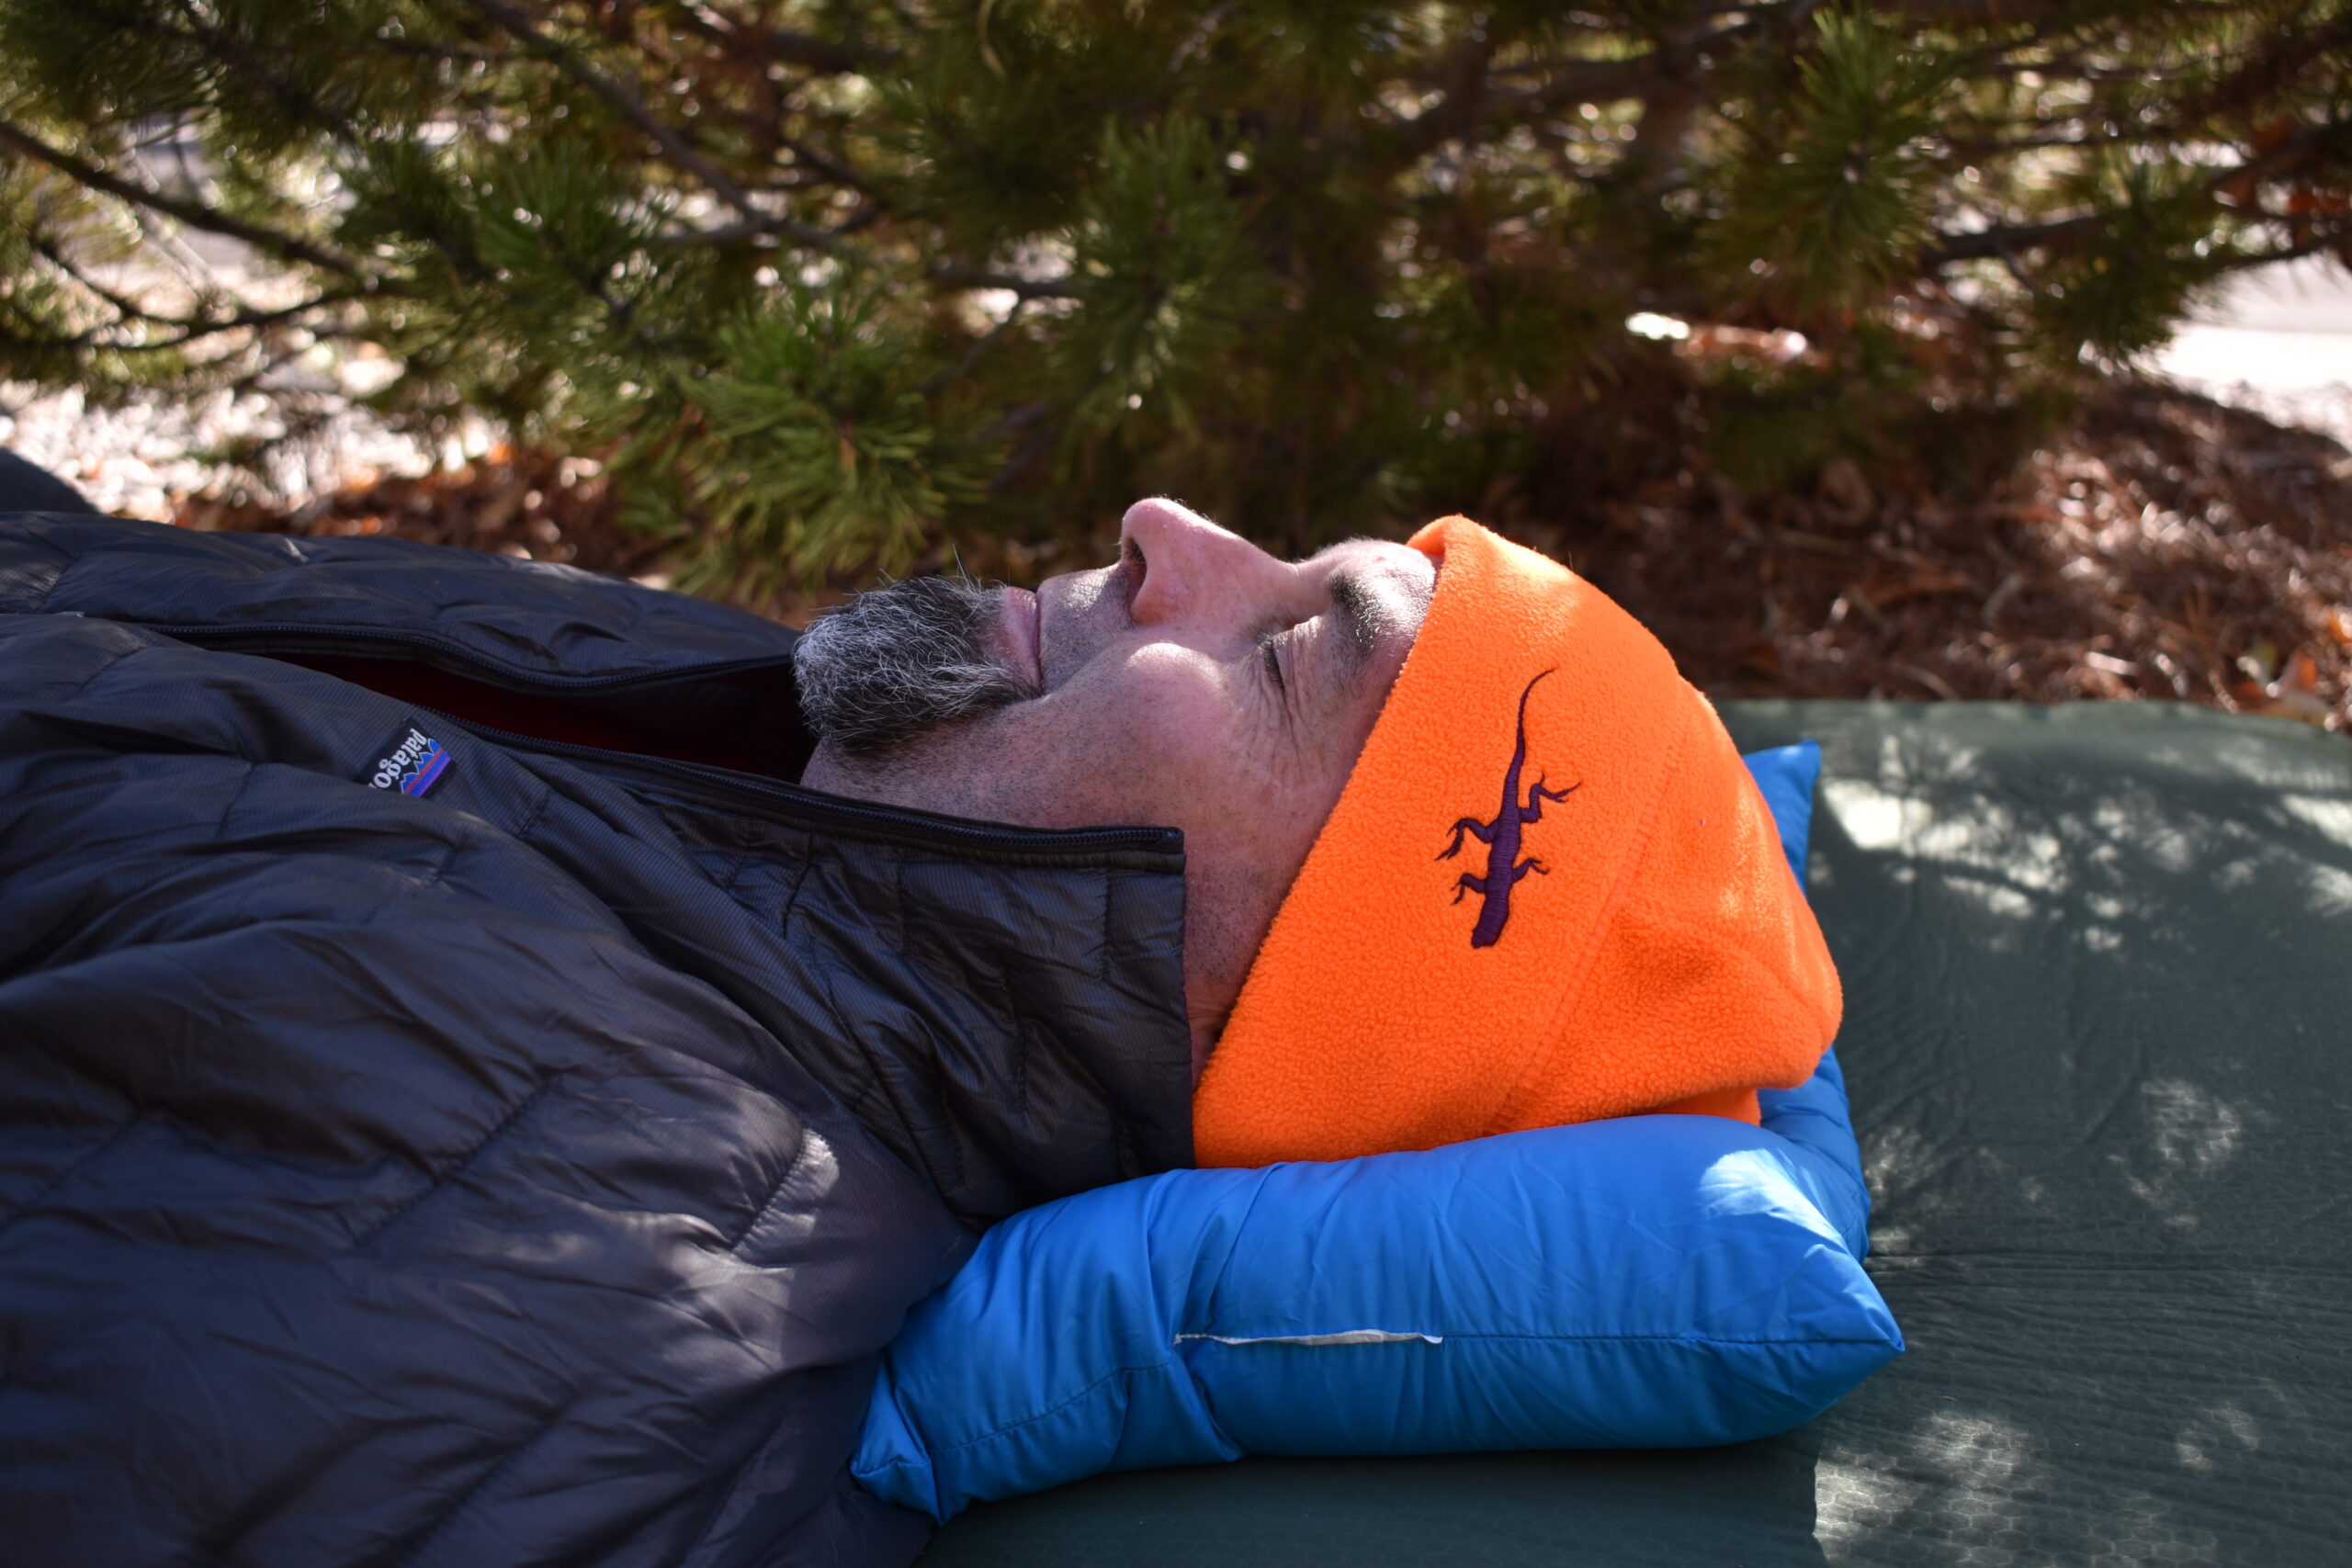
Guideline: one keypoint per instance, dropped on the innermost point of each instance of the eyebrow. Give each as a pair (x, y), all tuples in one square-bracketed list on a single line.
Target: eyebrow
[(1359, 618)]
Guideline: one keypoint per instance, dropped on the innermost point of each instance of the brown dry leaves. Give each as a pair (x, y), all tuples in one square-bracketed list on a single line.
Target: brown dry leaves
[(2160, 546), (530, 504)]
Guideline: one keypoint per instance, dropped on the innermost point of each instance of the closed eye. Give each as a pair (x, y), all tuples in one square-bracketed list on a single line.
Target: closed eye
[(1269, 648)]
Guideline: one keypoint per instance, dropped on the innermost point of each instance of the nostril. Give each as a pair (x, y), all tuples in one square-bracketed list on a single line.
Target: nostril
[(1160, 545), (1133, 576)]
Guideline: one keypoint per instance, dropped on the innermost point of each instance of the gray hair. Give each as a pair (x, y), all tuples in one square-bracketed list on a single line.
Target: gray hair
[(899, 661)]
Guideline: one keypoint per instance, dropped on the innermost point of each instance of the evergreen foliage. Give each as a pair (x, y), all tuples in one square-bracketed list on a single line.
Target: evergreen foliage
[(838, 282)]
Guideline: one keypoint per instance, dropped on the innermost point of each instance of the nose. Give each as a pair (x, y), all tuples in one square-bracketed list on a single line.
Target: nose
[(1193, 568)]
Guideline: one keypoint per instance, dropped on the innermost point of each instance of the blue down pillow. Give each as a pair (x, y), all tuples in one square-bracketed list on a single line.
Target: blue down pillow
[(1655, 1281)]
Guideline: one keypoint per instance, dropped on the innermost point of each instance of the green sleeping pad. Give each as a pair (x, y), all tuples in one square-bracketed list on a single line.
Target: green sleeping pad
[(2099, 1036)]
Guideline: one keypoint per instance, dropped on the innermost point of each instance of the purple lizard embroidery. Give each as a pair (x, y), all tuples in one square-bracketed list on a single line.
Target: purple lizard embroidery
[(1504, 868)]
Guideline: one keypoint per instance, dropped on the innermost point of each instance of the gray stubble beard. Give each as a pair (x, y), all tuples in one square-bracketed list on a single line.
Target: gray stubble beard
[(902, 662)]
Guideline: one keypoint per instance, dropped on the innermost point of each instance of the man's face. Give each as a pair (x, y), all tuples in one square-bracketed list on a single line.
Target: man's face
[(1197, 682)]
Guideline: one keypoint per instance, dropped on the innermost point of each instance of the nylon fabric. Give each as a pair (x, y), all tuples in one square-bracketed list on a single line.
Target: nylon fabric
[(1648, 1282), (529, 1171)]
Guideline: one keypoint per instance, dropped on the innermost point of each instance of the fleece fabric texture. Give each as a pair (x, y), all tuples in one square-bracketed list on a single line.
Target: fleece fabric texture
[(1550, 893)]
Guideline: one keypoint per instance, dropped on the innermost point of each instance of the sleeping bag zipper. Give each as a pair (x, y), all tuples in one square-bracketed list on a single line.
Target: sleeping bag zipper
[(694, 783), (283, 637), (698, 783)]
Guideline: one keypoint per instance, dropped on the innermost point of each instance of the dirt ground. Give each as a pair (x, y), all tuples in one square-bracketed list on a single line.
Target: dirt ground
[(2161, 546)]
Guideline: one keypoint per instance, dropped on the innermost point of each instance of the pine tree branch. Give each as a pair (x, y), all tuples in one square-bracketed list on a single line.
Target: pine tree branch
[(1024, 459), (2004, 240), (126, 310), (2285, 56), (824, 55), (747, 50), (621, 99), (1568, 78), (760, 225), (193, 331), (1983, 13), (2287, 155), (2331, 238), (1198, 38), (224, 47), (1026, 288), (194, 215), (679, 151), (419, 49), (960, 367), (1462, 80), (783, 46), (1987, 150), (192, 328), (1665, 67), (824, 164), (2177, 128)]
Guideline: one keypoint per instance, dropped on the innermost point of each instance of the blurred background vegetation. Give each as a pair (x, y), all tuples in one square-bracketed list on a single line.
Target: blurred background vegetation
[(827, 287)]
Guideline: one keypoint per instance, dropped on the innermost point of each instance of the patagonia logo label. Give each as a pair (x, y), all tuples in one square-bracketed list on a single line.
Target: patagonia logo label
[(410, 761)]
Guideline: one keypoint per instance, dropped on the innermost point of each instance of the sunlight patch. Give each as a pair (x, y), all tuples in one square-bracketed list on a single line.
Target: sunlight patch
[(1873, 817)]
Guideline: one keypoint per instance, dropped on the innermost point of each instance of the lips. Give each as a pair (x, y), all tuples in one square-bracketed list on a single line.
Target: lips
[(1025, 633)]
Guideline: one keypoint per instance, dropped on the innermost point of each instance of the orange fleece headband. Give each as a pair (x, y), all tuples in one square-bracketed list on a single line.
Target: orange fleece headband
[(1639, 943)]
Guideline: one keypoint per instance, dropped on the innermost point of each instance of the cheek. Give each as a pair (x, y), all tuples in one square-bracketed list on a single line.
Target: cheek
[(1194, 744), (1172, 713), (1162, 735), (1194, 700)]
